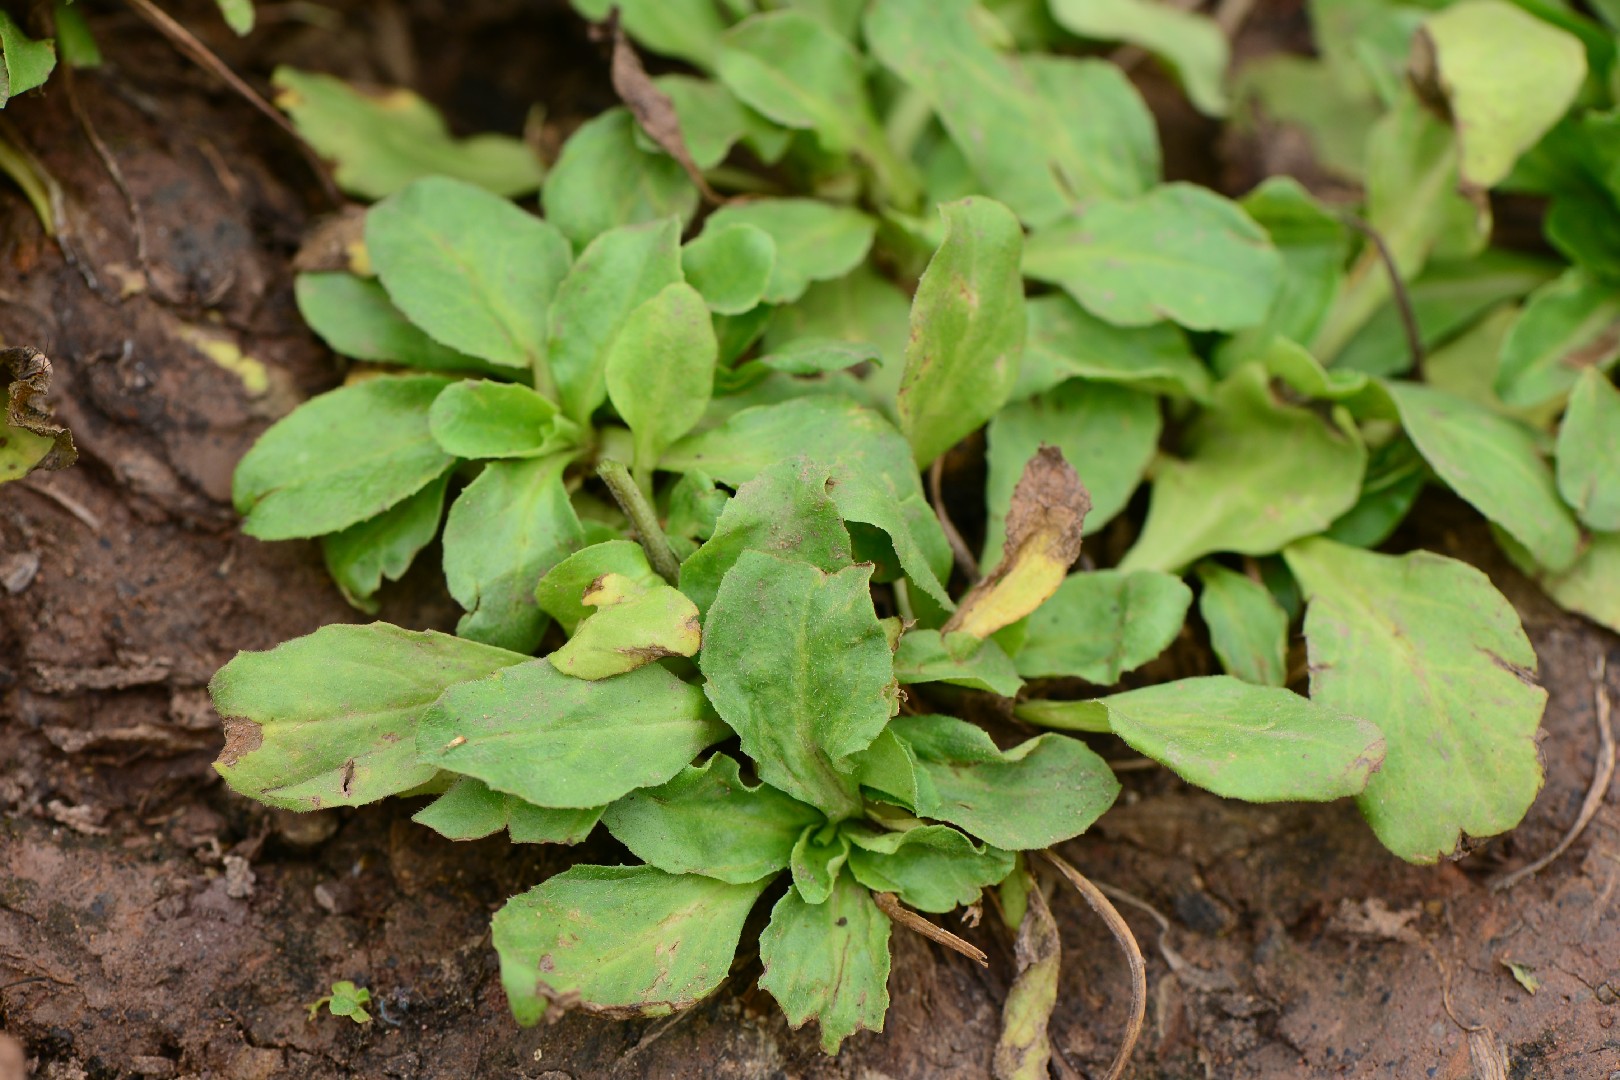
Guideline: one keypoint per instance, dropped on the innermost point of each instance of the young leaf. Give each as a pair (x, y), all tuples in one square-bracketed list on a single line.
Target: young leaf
[(1589, 452), (622, 269), (1179, 252), (382, 142), (860, 306), (708, 821), (1042, 791), (1257, 474), (816, 860), (967, 328), (731, 267), (660, 370), (359, 557), (1192, 44), (1568, 325), (238, 15), (931, 868), (561, 593), (1493, 463), (505, 530), (1102, 623), (1258, 743), (356, 319), (924, 657), (479, 418), (799, 666), (346, 999), (469, 267), (1067, 342), (470, 810), (327, 719), (634, 624), (1108, 433), (783, 510), (599, 937), (24, 62), (815, 241), (557, 741), (340, 458), (829, 961), (1430, 648), (603, 180), (1247, 627), (1507, 75)]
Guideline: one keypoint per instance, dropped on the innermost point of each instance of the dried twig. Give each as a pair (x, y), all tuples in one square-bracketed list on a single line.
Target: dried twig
[(1403, 299), (65, 501), (1602, 776), (890, 905), (959, 549), (1133, 956)]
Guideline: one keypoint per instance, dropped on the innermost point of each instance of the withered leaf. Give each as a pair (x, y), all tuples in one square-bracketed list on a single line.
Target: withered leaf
[(27, 375), (651, 107)]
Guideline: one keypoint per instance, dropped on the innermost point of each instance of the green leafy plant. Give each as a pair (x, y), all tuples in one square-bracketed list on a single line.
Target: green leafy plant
[(346, 999), (682, 461)]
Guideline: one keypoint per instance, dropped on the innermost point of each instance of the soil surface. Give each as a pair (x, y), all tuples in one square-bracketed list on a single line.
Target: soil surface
[(154, 925)]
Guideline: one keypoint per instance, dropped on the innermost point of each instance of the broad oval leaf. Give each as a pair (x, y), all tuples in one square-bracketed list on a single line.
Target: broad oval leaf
[(660, 370), (815, 241), (561, 593), (355, 318), (731, 267), (480, 418), (328, 719), (635, 623), (792, 68), (708, 821), (340, 458), (1192, 44), (470, 268), (470, 810), (557, 741), (1247, 627), (1102, 623), (931, 867), (603, 939), (1428, 646), (1567, 325), (1066, 342), (1589, 452), (603, 180), (829, 962), (361, 556)]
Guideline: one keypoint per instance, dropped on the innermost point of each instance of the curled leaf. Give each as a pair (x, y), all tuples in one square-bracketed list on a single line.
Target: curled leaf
[(29, 438)]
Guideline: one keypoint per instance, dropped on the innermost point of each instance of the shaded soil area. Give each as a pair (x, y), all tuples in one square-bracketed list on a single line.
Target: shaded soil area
[(154, 925)]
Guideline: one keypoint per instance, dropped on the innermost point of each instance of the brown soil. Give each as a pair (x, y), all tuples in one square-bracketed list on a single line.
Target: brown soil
[(154, 925)]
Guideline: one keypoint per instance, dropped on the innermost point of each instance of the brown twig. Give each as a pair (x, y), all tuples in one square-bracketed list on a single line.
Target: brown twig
[(1133, 956), (1403, 299), (959, 549), (890, 905), (204, 57), (65, 501), (1602, 775)]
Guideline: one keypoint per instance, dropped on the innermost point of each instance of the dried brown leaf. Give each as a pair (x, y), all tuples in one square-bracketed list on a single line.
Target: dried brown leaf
[(651, 107), (27, 375)]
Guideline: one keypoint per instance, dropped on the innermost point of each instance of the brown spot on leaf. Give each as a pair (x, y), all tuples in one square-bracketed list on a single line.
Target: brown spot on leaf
[(242, 737), (347, 786), (1523, 674), (651, 107), (27, 374)]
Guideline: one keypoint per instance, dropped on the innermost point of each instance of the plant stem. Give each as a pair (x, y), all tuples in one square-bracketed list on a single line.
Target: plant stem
[(642, 518)]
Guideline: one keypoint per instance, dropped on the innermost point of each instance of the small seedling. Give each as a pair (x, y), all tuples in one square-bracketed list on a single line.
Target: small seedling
[(346, 999)]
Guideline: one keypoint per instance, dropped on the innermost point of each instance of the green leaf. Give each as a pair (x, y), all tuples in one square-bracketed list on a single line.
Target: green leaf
[(815, 241), (924, 657), (874, 478), (1508, 76), (1108, 433), (967, 328), (356, 319), (685, 29), (340, 458), (561, 592), (711, 119), (505, 530), (622, 269), (557, 741), (1589, 452), (931, 868), (1590, 587), (828, 961), (74, 41), (1024, 1050), (634, 624), (1395, 477), (708, 821), (660, 370), (1430, 648), (817, 857), (346, 999), (1101, 137), (24, 62), (1067, 342), (1314, 246), (731, 267), (1568, 325), (783, 510), (1257, 474), (1179, 252), (1494, 464), (477, 418), (1044, 790), (328, 719), (621, 940), (361, 556), (1247, 627), (1103, 623), (1192, 45), (602, 180), (469, 267), (799, 666), (382, 142), (471, 810), (238, 15), (815, 356)]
